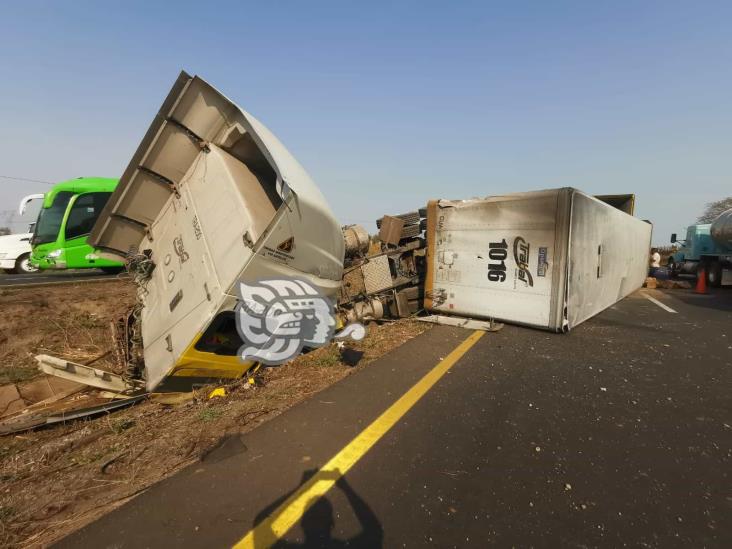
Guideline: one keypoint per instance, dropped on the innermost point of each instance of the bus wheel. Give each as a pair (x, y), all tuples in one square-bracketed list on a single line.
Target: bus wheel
[(714, 274), (23, 265)]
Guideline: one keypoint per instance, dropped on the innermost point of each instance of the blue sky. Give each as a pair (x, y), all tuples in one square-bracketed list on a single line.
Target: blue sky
[(390, 104)]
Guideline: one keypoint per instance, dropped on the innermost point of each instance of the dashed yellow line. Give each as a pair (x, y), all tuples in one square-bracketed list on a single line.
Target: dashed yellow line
[(276, 525)]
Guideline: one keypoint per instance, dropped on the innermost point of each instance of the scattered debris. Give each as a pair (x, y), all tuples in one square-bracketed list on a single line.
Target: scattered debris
[(172, 399), (138, 445), (10, 400), (674, 284), (390, 231), (461, 322), (218, 392), (667, 283)]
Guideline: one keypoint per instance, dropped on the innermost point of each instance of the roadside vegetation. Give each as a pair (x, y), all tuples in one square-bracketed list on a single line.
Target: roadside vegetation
[(57, 479)]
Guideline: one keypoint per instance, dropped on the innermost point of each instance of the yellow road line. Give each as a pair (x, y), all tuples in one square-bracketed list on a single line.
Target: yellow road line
[(276, 525)]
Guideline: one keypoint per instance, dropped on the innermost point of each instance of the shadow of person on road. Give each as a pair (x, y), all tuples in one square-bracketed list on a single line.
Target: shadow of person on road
[(318, 521)]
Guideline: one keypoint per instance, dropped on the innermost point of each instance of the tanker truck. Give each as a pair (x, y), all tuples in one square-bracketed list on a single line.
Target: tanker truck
[(708, 247)]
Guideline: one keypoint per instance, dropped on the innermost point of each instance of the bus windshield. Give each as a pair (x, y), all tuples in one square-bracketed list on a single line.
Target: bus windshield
[(50, 219)]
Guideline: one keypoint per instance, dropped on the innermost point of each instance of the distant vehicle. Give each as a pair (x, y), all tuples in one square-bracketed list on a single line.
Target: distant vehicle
[(707, 246), (15, 252), (67, 216)]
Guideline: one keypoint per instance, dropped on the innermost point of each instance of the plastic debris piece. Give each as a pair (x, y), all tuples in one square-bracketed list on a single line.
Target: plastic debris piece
[(218, 392)]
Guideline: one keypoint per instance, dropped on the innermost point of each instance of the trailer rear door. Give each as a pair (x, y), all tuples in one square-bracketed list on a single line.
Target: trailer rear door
[(501, 257)]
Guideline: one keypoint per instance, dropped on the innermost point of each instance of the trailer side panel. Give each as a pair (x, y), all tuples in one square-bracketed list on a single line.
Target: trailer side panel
[(608, 257)]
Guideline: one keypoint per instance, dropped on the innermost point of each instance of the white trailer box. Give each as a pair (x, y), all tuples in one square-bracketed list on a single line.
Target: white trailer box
[(549, 259), (211, 199)]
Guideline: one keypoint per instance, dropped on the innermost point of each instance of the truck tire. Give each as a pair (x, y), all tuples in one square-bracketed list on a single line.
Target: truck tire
[(23, 265), (714, 274)]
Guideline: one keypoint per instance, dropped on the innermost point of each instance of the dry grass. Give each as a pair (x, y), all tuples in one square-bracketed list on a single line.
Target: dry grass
[(58, 479), (69, 321)]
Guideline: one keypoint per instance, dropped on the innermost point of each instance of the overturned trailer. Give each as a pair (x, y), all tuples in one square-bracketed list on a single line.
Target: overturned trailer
[(210, 199), (548, 259)]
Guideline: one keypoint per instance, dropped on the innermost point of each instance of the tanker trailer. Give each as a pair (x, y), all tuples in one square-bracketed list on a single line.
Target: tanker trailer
[(708, 248)]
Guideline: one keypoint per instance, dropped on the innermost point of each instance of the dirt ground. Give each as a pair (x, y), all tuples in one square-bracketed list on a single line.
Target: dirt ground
[(57, 479), (70, 321)]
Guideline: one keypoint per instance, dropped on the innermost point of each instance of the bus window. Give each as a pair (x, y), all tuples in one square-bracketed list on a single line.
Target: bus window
[(49, 219), (84, 214)]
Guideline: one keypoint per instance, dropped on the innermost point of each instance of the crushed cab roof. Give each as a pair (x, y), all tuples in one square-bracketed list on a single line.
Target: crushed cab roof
[(193, 116)]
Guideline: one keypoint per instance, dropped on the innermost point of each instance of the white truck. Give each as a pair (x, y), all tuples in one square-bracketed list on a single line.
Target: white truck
[(211, 199), (15, 251)]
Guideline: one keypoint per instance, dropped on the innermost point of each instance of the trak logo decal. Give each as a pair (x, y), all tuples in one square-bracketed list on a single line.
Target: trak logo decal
[(180, 251), (521, 251), (277, 318)]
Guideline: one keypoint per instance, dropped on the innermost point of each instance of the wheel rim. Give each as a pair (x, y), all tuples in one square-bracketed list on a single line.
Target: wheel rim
[(26, 266)]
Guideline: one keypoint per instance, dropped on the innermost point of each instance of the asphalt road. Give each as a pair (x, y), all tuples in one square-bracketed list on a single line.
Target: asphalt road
[(619, 433), (52, 277)]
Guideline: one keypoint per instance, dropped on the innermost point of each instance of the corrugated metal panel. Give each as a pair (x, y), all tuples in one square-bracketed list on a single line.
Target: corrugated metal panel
[(376, 274)]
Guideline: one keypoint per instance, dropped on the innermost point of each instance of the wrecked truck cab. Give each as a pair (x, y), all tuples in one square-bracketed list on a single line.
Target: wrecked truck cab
[(210, 199)]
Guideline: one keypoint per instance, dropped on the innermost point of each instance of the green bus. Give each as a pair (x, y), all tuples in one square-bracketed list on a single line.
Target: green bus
[(67, 216)]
